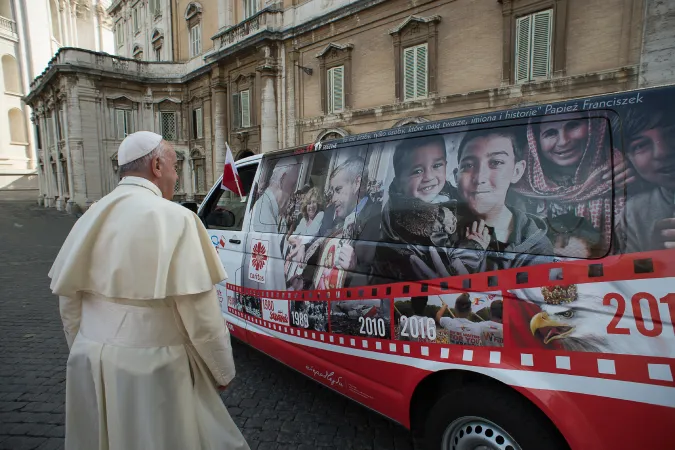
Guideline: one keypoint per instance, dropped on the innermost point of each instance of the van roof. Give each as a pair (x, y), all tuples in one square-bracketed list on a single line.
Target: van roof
[(522, 111)]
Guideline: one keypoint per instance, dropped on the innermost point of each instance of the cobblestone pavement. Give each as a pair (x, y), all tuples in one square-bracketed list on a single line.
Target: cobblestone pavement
[(275, 407)]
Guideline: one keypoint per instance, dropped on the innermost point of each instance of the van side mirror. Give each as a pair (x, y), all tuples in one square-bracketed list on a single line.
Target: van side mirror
[(192, 206), (220, 218)]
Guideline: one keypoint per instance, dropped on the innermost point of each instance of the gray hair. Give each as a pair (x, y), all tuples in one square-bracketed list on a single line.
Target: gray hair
[(141, 164), (282, 167), (355, 168)]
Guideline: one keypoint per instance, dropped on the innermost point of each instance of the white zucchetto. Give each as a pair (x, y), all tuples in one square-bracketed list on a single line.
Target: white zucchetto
[(137, 145)]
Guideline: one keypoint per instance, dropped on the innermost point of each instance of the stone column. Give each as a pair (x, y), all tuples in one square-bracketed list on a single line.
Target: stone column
[(268, 109), (219, 95), (49, 179), (60, 204), (208, 141)]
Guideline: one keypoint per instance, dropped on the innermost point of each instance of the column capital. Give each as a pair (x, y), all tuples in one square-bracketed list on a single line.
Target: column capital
[(267, 68)]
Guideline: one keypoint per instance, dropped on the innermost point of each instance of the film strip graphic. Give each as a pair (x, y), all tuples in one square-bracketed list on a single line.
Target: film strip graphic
[(631, 368)]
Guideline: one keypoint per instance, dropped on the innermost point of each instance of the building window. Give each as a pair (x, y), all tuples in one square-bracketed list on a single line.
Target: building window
[(245, 108), (250, 7), (119, 33), (415, 57), (533, 46), (180, 159), (415, 72), (336, 89), (156, 7), (535, 40), (199, 171), (38, 135), (168, 125), (157, 39), (17, 126), (197, 123), (136, 19), (335, 68), (123, 123), (11, 75), (195, 40)]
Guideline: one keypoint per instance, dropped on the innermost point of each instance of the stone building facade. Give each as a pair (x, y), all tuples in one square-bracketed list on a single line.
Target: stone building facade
[(31, 32), (275, 74)]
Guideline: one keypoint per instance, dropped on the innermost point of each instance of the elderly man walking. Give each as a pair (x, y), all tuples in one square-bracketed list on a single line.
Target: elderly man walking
[(149, 348)]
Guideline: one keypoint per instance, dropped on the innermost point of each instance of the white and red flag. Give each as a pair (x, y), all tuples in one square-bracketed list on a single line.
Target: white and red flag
[(231, 180)]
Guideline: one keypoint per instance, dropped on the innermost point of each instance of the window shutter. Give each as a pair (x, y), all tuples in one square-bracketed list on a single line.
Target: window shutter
[(236, 111), (336, 89), (199, 123), (245, 109), (409, 73), (541, 44), (128, 128), (421, 71), (120, 124), (523, 48)]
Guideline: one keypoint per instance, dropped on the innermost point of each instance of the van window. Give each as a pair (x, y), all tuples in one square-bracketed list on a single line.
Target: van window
[(226, 209), (312, 192)]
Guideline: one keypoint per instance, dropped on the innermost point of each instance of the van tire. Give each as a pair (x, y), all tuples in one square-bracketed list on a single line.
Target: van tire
[(508, 410)]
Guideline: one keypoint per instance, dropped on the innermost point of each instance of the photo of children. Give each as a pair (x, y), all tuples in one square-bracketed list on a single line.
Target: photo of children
[(309, 315), (648, 221), (365, 318), (252, 306), (465, 319)]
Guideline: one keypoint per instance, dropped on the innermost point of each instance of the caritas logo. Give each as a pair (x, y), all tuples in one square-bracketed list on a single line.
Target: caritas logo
[(257, 269)]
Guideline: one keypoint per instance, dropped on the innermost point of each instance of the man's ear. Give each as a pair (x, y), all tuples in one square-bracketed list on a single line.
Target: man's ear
[(518, 171), (155, 166)]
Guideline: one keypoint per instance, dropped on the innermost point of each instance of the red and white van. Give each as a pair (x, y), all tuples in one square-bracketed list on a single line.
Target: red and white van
[(504, 279)]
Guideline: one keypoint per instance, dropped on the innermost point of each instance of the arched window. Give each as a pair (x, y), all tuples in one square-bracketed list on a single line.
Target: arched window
[(17, 126), (244, 154), (410, 121), (11, 75), (330, 134), (199, 171)]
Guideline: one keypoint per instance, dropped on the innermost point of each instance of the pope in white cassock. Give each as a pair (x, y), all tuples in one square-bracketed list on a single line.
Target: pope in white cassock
[(149, 348)]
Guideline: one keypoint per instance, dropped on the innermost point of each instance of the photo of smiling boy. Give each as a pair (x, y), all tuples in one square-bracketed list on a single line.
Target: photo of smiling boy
[(421, 213), (489, 162), (648, 220)]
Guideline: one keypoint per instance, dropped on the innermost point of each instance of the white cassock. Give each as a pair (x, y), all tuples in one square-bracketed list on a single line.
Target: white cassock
[(148, 343)]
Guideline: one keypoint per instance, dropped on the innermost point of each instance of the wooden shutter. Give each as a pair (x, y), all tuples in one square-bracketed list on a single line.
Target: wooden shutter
[(245, 109), (119, 113), (523, 25), (421, 71), (409, 73), (199, 123), (236, 111), (541, 44), (336, 89)]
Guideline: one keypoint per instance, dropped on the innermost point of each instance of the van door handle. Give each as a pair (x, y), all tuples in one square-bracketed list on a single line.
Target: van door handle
[(235, 241)]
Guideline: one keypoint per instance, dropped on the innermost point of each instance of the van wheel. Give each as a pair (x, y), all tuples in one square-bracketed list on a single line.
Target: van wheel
[(486, 417)]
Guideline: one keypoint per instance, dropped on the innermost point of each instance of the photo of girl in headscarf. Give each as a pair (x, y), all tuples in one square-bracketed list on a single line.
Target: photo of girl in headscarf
[(568, 182), (421, 212)]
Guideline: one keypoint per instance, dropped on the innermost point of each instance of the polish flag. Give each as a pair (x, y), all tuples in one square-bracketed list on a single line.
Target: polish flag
[(231, 181)]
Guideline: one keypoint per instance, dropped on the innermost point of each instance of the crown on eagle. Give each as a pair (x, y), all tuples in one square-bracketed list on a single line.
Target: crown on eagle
[(556, 295)]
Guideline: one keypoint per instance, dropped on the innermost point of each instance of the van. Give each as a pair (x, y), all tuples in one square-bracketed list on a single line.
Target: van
[(503, 279)]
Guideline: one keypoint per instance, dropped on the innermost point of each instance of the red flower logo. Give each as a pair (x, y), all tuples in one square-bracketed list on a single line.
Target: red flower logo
[(259, 256)]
